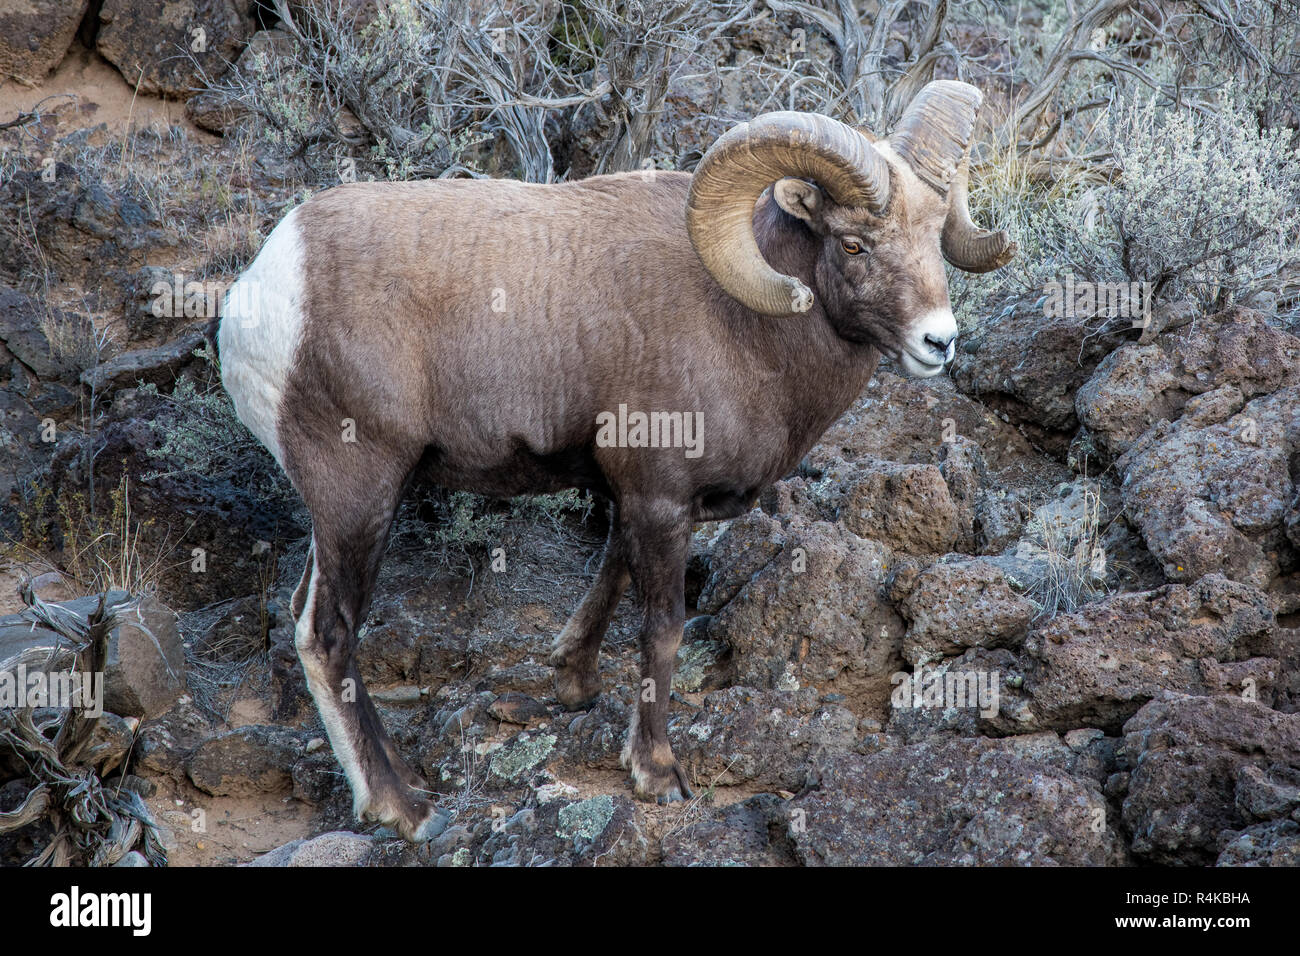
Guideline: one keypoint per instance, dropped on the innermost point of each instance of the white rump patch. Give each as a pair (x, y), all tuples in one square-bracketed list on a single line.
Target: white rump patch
[(261, 328)]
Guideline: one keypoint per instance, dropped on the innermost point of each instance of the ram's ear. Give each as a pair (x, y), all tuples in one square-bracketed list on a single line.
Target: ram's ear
[(801, 199)]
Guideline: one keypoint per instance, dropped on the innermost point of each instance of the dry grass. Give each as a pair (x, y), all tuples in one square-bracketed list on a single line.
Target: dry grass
[(1069, 545), (94, 551)]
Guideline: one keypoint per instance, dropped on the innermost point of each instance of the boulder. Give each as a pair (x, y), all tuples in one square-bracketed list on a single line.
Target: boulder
[(811, 615), (23, 330), (907, 508), (337, 848), (1223, 360), (1099, 665), (952, 801), (245, 761), (169, 47), (1214, 496), (1027, 368), (959, 604), (1203, 428), (911, 420), (1198, 766), (35, 36), (145, 671)]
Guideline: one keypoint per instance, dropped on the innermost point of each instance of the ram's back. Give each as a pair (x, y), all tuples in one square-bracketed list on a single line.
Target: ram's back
[(479, 317)]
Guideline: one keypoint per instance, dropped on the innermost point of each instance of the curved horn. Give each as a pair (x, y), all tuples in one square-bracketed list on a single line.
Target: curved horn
[(746, 160), (934, 138), (965, 244)]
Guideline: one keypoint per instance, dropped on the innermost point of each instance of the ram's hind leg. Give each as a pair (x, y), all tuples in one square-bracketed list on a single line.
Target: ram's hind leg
[(299, 599), (576, 657), (351, 515)]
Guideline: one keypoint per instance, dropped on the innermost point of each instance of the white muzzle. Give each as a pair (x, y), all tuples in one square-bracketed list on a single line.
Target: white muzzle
[(931, 345)]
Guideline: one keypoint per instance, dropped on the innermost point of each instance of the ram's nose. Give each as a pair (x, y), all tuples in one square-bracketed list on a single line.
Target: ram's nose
[(931, 344), (944, 348)]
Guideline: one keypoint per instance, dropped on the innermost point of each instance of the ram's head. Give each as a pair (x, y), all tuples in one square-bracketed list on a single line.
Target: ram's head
[(885, 213)]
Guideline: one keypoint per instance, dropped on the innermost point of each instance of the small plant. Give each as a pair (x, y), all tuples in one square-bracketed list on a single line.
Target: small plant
[(95, 550), (465, 527), (1067, 537), (204, 439)]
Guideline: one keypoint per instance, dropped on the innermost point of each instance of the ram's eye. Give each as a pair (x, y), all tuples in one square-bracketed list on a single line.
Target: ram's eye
[(851, 246)]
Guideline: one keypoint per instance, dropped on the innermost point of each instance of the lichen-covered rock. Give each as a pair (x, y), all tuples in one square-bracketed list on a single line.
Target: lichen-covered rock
[(1189, 789), (35, 36), (702, 664), (526, 752), (587, 819), (1268, 793), (1017, 801), (769, 738), (1203, 426), (168, 46), (961, 604), (813, 615), (247, 760), (595, 737), (964, 471), (603, 830), (1097, 666)]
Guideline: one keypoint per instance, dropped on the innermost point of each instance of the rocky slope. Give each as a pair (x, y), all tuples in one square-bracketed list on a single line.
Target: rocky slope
[(1044, 612)]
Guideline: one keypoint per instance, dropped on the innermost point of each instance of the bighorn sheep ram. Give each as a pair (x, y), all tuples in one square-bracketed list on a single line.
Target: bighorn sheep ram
[(483, 334)]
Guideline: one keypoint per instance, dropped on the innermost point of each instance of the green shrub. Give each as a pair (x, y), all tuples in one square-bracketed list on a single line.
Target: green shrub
[(204, 439), (1207, 206)]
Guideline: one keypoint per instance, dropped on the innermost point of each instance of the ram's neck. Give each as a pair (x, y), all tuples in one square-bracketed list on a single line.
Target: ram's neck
[(823, 374)]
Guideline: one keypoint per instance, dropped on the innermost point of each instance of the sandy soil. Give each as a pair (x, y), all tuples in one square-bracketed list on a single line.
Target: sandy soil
[(87, 90)]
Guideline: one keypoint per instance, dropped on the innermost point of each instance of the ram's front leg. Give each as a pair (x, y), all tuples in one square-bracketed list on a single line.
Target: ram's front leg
[(656, 544), (576, 657)]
